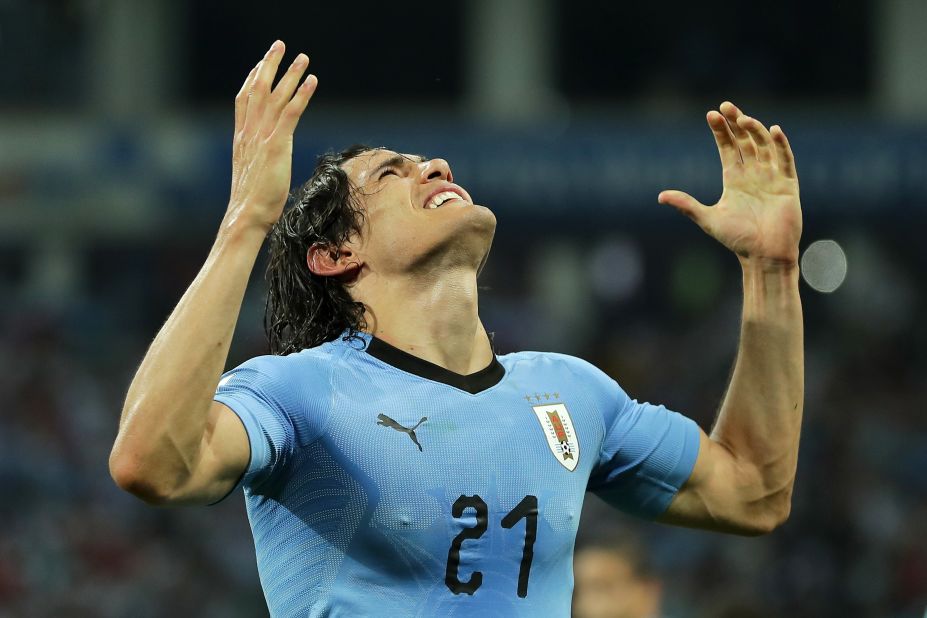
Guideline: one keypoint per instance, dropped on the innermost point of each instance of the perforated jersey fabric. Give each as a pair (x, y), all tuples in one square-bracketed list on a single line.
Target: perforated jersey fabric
[(378, 488)]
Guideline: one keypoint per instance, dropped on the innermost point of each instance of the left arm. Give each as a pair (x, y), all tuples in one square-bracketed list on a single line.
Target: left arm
[(743, 478)]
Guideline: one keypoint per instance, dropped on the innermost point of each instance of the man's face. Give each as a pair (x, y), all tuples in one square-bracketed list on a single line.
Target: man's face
[(415, 214)]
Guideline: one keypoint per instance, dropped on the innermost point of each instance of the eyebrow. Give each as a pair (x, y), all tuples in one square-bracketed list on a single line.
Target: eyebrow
[(395, 161)]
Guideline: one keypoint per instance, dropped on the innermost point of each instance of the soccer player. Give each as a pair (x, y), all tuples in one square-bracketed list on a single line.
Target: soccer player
[(392, 464)]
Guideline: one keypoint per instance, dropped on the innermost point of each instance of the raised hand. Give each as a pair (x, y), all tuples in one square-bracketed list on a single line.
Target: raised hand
[(262, 153), (759, 213)]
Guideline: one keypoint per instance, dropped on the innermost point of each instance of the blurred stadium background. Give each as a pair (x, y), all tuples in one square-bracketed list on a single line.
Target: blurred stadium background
[(566, 117)]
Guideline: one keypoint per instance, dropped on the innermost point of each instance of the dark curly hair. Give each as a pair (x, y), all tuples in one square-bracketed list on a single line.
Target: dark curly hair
[(303, 309)]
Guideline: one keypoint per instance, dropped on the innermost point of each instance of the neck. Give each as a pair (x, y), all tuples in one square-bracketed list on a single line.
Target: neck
[(434, 317)]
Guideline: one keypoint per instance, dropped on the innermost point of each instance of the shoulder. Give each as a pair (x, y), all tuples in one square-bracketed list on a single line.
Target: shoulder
[(552, 361), (311, 365), (563, 366)]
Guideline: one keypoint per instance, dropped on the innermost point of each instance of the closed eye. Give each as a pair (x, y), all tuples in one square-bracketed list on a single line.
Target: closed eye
[(386, 172)]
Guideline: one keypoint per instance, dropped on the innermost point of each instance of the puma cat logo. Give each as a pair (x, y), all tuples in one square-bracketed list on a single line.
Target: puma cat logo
[(386, 421)]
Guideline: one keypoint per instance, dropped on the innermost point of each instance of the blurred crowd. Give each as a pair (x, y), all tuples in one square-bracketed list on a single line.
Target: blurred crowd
[(114, 153), (664, 323)]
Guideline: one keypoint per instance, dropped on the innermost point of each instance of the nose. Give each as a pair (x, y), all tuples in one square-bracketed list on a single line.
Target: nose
[(434, 169)]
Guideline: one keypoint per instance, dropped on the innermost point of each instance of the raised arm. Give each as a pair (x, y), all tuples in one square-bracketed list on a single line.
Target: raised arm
[(175, 444), (743, 477)]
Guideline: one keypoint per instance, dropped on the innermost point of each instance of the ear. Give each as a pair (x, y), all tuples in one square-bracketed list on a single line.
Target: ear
[(327, 261)]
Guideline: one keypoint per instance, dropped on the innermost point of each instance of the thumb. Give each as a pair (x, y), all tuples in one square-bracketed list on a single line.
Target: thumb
[(683, 202)]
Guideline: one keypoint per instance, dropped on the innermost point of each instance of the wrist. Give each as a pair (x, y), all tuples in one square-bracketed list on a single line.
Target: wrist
[(770, 290), (768, 266), (236, 227), (239, 239)]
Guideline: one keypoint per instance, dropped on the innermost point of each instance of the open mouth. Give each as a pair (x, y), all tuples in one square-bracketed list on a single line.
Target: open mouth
[(440, 199)]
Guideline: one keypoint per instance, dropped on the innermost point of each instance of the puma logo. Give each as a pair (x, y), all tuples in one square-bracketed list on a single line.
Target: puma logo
[(386, 421)]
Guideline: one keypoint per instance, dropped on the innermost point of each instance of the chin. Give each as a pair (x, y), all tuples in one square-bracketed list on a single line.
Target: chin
[(479, 269), (485, 216), (465, 241), (484, 229), (481, 223)]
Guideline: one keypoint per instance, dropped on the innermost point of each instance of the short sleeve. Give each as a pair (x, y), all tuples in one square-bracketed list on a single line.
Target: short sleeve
[(647, 454), (252, 392)]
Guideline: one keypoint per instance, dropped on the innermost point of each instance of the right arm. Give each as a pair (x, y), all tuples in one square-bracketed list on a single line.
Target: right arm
[(175, 444)]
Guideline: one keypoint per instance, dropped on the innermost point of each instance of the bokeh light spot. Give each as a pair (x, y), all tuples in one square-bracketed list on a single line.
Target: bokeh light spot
[(824, 265)]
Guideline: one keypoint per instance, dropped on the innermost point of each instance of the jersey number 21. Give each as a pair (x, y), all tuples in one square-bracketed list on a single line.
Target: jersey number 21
[(527, 509)]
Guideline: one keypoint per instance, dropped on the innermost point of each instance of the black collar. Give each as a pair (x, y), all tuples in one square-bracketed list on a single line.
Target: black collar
[(473, 383)]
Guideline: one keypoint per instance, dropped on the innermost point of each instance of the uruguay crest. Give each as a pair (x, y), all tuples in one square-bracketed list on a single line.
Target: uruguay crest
[(561, 437)]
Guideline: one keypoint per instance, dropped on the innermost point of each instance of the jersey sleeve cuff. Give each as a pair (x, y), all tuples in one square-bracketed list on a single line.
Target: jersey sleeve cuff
[(259, 449), (682, 470), (648, 490)]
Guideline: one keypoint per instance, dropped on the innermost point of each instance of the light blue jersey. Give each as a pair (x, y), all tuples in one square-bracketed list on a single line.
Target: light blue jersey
[(383, 485)]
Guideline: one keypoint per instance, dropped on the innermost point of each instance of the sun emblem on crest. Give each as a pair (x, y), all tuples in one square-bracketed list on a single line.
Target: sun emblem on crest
[(561, 436)]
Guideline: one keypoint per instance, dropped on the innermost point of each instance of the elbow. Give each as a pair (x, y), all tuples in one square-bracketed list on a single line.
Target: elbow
[(133, 478), (773, 515), (781, 513), (762, 526)]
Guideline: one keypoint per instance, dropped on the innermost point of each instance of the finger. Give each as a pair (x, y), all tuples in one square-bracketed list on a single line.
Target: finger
[(731, 113), (684, 203), (260, 87), (287, 84), (241, 100), (727, 148), (760, 137), (293, 110), (784, 156)]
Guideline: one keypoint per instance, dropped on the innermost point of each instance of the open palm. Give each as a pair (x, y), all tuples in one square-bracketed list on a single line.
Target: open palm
[(759, 213), (262, 149)]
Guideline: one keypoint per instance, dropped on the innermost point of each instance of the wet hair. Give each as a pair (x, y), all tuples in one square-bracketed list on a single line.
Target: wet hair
[(303, 309)]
